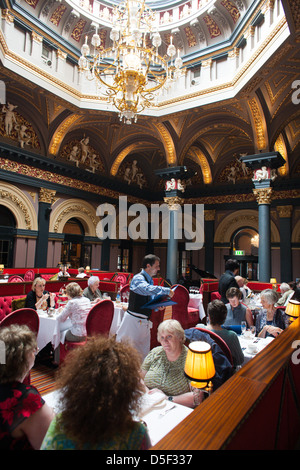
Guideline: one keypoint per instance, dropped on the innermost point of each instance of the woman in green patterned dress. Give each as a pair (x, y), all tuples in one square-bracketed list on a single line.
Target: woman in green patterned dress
[(163, 368)]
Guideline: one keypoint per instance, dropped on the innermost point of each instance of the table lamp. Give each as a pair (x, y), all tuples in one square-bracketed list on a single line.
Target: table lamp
[(199, 365), (88, 268), (1, 268), (273, 281), (293, 309)]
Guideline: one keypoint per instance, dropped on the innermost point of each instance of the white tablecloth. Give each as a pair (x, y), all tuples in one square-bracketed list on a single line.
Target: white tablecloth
[(261, 343), (196, 302), (54, 332), (160, 419)]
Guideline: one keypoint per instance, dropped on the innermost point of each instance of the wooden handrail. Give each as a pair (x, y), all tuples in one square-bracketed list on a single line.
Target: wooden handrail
[(215, 423)]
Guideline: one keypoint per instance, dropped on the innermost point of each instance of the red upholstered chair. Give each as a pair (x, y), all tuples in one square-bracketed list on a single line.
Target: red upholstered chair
[(124, 290), (187, 316), (15, 278), (215, 295), (67, 346), (23, 316), (100, 318), (156, 318), (29, 275), (121, 278), (223, 345)]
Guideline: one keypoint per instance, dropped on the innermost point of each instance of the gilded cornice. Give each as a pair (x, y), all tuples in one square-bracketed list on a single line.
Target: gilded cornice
[(43, 175)]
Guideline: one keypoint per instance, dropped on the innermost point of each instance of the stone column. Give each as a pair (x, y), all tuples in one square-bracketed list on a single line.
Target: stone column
[(263, 196), (264, 166), (285, 217), (46, 198), (209, 230), (174, 205)]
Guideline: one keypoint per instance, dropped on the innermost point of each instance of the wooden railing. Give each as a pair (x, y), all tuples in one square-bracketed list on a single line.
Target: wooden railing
[(258, 408)]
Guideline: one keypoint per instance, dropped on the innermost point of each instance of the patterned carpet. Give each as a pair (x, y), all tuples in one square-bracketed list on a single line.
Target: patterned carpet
[(43, 378)]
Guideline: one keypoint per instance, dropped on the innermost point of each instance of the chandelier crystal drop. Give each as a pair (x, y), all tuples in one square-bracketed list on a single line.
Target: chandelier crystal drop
[(131, 73)]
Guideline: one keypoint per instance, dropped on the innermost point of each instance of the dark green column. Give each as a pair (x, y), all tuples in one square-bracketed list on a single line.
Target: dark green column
[(172, 249), (209, 234), (263, 196), (285, 226), (46, 197), (105, 254)]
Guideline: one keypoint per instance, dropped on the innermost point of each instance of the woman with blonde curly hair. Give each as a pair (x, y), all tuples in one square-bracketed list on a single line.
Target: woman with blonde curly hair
[(24, 415), (101, 389)]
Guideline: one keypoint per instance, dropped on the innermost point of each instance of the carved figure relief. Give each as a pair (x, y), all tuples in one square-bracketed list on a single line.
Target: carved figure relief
[(234, 171), (133, 175), (83, 155), (14, 126), (264, 173)]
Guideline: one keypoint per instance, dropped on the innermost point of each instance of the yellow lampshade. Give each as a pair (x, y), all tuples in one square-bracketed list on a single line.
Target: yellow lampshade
[(293, 309), (273, 280), (199, 364), (87, 269)]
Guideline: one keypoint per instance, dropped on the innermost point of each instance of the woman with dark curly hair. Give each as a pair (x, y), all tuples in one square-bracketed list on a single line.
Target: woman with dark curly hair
[(101, 389), (24, 415)]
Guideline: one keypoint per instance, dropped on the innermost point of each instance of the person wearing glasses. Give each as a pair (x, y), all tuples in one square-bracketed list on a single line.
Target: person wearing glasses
[(24, 415)]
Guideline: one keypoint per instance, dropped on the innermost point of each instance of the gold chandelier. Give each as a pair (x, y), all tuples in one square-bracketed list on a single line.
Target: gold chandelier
[(132, 73)]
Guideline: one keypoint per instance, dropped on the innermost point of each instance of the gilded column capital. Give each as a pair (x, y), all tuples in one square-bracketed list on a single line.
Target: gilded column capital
[(36, 37), (263, 195), (285, 211), (47, 195), (7, 16), (210, 214), (174, 202)]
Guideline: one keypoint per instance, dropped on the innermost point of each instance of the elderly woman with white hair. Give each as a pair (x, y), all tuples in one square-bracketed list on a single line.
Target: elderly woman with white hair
[(271, 321), (163, 367), (92, 291)]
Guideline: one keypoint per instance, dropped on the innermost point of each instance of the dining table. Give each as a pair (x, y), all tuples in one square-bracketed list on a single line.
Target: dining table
[(51, 330), (160, 416), (252, 345)]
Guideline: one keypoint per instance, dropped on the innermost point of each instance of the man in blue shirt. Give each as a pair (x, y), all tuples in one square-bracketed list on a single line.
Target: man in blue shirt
[(136, 323)]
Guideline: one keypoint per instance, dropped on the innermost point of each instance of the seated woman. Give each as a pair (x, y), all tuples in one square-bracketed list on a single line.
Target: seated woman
[(92, 291), (236, 311), (81, 273), (107, 373), (217, 312), (63, 272), (77, 310), (24, 415), (163, 367), (39, 298), (271, 321)]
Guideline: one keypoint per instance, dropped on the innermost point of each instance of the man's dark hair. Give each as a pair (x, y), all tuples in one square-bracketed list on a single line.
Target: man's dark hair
[(217, 312), (149, 259), (231, 265)]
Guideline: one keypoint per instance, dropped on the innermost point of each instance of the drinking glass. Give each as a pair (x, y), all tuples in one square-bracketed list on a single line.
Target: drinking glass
[(252, 331), (243, 327)]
